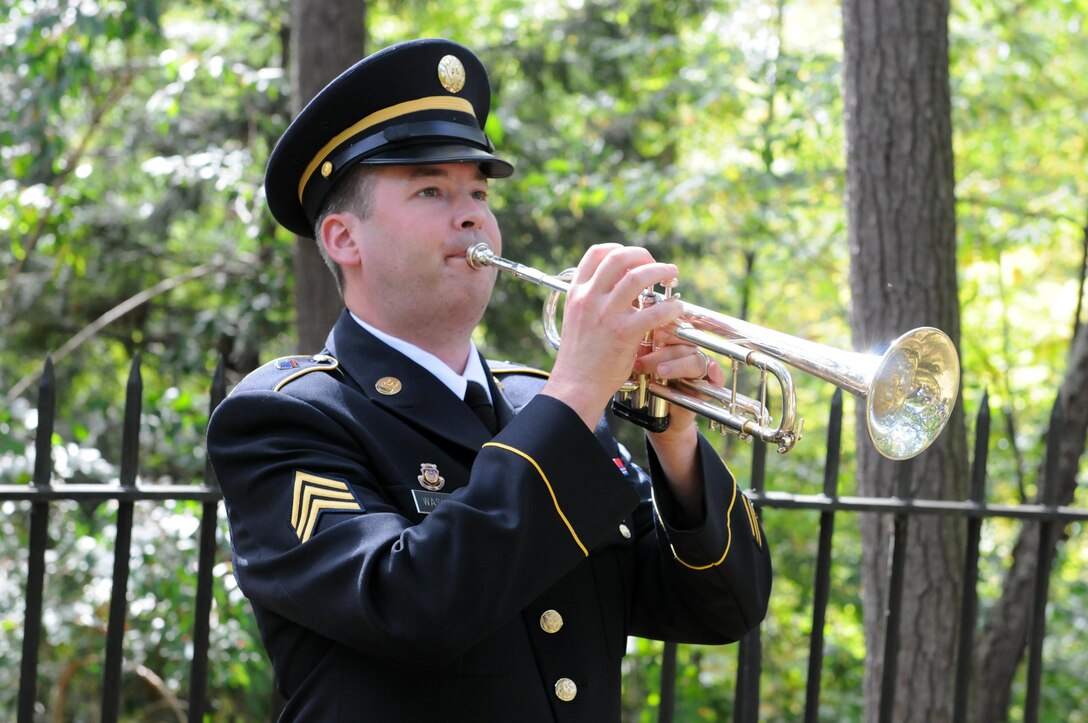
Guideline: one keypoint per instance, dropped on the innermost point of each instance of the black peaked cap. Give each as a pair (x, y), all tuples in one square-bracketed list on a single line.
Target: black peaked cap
[(422, 101)]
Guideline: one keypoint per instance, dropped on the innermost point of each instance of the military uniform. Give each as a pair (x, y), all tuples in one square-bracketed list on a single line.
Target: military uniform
[(508, 593), (404, 562)]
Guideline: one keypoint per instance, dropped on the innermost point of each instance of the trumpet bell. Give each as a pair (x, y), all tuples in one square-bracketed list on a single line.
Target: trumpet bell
[(912, 393)]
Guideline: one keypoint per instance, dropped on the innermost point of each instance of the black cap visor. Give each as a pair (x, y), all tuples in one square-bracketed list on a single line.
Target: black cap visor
[(415, 155)]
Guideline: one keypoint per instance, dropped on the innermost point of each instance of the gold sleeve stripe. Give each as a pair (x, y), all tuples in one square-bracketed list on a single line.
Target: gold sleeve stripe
[(314, 511), (728, 537), (753, 520), (748, 513), (312, 496), (309, 494), (304, 485), (435, 102), (555, 500)]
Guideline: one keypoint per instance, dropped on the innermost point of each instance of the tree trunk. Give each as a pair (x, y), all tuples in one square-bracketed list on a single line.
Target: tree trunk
[(1003, 639), (327, 37), (902, 236)]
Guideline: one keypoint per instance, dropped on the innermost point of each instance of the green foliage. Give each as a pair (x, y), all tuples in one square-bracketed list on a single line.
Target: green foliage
[(134, 137), (1019, 108)]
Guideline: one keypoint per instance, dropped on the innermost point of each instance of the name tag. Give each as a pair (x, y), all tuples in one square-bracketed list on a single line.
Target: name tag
[(426, 500)]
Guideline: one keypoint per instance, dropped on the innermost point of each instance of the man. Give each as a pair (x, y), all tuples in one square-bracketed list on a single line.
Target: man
[(404, 560)]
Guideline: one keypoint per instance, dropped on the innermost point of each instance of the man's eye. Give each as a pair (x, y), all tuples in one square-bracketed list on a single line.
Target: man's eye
[(480, 195), (429, 192)]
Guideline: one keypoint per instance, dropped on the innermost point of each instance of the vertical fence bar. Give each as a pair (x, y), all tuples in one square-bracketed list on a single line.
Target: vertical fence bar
[(893, 612), (969, 600), (750, 655), (1047, 530), (115, 632), (666, 711), (822, 584), (209, 521), (39, 539)]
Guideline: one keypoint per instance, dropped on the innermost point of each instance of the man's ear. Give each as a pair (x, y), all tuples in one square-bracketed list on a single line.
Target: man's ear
[(339, 236)]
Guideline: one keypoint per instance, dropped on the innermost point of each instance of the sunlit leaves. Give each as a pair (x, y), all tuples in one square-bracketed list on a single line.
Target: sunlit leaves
[(133, 137)]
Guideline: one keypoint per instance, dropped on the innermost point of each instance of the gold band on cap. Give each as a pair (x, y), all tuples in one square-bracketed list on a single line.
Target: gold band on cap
[(435, 102)]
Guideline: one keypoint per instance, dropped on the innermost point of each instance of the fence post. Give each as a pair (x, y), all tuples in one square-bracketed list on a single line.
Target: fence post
[(1047, 528), (894, 609), (39, 538), (822, 584), (209, 521), (750, 655), (969, 601), (115, 631)]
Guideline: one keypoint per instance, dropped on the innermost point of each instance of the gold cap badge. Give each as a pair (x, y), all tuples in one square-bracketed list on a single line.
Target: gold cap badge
[(429, 477), (451, 73)]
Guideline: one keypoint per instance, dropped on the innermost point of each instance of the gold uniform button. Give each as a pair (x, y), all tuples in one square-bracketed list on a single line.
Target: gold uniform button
[(625, 531), (551, 621), (565, 690)]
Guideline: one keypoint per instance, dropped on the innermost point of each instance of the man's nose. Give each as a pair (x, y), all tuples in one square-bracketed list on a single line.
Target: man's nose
[(470, 213)]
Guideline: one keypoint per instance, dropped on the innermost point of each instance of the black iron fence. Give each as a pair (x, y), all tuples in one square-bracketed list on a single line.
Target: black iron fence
[(41, 493)]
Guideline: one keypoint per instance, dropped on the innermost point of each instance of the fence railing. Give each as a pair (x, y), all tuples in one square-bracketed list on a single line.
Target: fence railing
[(41, 493)]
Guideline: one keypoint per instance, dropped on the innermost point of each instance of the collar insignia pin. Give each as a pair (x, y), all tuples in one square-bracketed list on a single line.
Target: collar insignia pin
[(388, 386), (429, 477)]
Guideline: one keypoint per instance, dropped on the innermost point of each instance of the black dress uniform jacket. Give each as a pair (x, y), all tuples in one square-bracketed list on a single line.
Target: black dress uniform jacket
[(506, 595)]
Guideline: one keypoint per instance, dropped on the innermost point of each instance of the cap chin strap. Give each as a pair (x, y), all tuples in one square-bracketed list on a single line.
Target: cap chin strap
[(402, 134)]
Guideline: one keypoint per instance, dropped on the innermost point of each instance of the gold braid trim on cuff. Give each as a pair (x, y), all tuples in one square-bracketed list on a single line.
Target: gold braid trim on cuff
[(728, 537)]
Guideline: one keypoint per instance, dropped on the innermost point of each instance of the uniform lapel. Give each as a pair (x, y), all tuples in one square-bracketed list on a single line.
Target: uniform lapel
[(420, 399), (504, 408)]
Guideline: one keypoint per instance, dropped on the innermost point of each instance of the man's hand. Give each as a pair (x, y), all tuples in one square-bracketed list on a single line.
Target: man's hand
[(676, 446), (602, 328), (602, 331)]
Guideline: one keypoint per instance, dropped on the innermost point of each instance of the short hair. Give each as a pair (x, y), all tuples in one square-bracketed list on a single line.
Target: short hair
[(354, 193)]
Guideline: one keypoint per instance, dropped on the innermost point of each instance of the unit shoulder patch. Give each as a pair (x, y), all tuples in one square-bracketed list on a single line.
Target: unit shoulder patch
[(278, 373), (313, 496), (298, 366)]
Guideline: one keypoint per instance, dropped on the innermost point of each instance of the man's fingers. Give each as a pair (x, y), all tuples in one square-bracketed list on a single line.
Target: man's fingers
[(591, 261), (681, 361)]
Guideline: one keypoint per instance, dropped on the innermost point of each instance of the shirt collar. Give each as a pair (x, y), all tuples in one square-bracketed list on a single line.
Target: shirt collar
[(457, 383)]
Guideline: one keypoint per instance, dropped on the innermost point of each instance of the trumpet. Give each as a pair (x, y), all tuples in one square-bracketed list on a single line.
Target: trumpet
[(909, 390)]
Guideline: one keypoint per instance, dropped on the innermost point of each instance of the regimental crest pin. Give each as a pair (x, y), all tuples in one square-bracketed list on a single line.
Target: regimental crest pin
[(429, 477)]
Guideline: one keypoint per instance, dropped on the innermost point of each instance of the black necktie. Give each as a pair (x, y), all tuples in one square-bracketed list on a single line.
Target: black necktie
[(476, 398)]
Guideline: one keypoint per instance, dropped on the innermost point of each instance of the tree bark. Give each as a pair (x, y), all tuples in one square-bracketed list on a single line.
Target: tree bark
[(902, 237), (1002, 641), (327, 37)]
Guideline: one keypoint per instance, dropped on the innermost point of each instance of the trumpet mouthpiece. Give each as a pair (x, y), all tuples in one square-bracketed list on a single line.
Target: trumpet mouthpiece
[(478, 255)]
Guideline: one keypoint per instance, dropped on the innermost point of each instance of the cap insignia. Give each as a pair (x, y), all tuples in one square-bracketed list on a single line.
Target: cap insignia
[(451, 74)]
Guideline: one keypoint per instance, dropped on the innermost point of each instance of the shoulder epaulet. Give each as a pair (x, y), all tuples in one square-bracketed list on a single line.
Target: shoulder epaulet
[(499, 368), (278, 373)]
